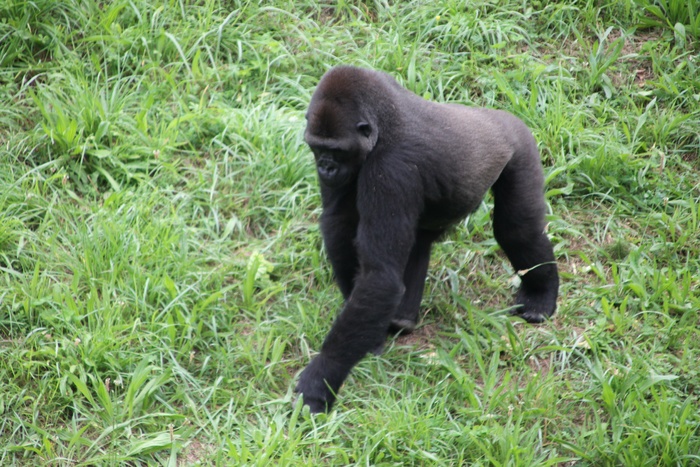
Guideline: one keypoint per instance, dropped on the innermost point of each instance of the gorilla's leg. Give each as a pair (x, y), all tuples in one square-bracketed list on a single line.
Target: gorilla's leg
[(406, 317), (518, 224)]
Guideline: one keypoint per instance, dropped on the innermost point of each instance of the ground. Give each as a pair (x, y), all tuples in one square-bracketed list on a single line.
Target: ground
[(163, 280)]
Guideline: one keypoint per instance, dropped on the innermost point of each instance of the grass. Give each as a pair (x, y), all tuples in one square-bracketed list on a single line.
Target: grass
[(163, 279)]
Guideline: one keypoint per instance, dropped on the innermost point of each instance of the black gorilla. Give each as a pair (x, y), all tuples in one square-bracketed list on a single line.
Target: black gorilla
[(395, 172)]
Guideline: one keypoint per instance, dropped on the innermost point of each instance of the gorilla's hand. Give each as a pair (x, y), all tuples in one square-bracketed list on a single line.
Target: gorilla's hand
[(319, 383)]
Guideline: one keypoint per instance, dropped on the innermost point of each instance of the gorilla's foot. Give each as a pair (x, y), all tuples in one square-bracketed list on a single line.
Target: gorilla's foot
[(535, 306)]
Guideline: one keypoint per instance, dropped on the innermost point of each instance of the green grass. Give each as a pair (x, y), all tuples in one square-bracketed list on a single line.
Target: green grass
[(163, 279)]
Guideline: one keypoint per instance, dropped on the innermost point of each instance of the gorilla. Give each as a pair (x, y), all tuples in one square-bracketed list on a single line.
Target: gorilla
[(395, 172)]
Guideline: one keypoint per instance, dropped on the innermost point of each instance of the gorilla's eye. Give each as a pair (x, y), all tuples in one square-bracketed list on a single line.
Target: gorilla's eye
[(364, 128)]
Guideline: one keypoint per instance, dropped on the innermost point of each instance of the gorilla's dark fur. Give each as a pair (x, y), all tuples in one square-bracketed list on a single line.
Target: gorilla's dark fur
[(395, 172)]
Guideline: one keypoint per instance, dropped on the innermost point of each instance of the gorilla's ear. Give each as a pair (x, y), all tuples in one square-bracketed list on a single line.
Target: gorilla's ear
[(364, 129)]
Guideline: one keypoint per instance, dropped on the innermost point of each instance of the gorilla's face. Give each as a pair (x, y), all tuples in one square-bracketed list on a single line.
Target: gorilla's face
[(335, 168), (340, 139)]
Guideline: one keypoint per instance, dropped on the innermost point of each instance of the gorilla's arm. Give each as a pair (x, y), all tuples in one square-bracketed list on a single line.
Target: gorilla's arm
[(339, 228), (385, 237), (406, 316)]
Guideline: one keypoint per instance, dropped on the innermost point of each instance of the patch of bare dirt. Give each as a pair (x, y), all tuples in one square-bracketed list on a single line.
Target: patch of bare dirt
[(195, 453), (639, 64), (423, 338)]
